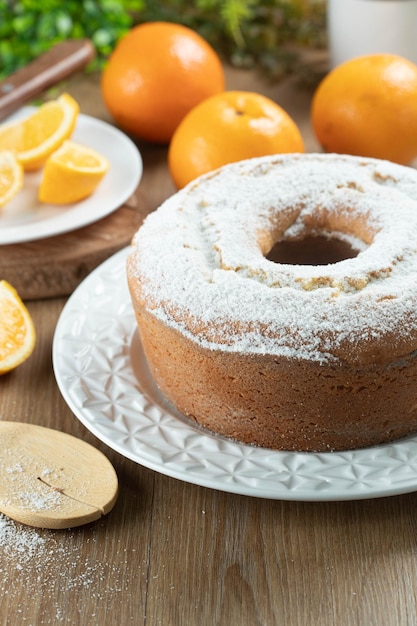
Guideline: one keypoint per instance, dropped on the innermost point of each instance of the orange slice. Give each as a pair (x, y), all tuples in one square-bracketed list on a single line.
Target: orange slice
[(17, 332), (11, 176), (71, 174), (34, 138)]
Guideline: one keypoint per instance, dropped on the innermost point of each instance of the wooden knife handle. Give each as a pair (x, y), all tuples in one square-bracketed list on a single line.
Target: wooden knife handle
[(49, 68)]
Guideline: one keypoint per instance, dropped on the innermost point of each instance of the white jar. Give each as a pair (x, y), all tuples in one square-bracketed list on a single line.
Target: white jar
[(358, 27)]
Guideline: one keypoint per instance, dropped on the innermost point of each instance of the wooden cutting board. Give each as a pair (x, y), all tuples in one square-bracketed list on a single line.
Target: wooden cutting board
[(54, 266)]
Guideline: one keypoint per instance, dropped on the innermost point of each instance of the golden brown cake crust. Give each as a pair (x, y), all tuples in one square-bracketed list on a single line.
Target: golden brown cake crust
[(281, 356), (280, 403)]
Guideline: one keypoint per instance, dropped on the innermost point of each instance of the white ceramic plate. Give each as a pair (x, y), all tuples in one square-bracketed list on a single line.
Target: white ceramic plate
[(107, 385), (26, 219)]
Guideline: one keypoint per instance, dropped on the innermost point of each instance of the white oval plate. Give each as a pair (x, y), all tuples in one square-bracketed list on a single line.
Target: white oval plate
[(25, 219), (107, 385)]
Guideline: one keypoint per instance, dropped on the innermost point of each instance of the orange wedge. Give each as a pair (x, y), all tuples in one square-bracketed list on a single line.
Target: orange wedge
[(11, 176), (34, 138), (72, 173), (17, 332)]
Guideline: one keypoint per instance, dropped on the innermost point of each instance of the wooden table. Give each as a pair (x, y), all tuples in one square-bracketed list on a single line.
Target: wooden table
[(174, 554)]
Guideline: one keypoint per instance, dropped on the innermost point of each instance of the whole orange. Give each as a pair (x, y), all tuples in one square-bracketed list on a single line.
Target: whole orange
[(228, 127), (155, 75), (368, 107)]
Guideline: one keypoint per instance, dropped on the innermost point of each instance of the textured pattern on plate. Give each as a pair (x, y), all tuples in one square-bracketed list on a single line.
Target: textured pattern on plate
[(114, 397)]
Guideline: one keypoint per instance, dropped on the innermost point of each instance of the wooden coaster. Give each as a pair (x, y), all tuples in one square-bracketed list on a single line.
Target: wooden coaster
[(53, 267)]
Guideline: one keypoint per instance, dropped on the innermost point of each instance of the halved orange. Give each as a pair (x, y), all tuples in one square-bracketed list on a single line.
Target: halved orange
[(35, 137), (11, 176), (72, 173), (17, 332)]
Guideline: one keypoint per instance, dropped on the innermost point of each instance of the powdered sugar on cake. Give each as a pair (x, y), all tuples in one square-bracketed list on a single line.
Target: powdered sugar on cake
[(201, 258)]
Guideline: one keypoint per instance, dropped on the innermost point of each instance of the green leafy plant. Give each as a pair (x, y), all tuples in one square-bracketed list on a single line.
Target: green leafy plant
[(245, 32), (264, 33), (30, 27)]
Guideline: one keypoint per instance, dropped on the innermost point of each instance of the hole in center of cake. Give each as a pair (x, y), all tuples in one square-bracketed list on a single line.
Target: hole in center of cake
[(312, 250)]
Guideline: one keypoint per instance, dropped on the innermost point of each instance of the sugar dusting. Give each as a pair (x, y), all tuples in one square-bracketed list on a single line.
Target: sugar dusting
[(25, 483), (200, 259), (58, 568), (28, 494)]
